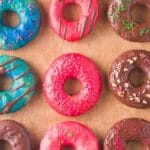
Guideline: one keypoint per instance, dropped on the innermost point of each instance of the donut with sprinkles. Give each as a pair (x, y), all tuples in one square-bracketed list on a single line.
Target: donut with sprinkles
[(119, 78), (15, 134), (124, 24), (12, 38)]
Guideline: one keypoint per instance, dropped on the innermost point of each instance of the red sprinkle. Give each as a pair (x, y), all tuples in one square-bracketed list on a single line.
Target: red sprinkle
[(72, 66), (71, 134)]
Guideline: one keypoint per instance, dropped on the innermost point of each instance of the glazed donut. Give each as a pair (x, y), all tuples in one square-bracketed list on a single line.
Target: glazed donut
[(76, 66), (123, 23), (74, 30), (119, 78), (28, 27), (69, 134), (22, 87), (125, 131), (15, 134)]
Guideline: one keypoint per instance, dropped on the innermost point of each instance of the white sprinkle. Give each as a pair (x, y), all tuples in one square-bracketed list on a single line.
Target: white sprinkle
[(134, 94), (135, 58), (147, 95), (130, 61), (131, 98), (125, 69), (118, 81), (114, 85), (148, 81), (126, 85), (144, 102), (137, 99), (121, 93), (143, 91)]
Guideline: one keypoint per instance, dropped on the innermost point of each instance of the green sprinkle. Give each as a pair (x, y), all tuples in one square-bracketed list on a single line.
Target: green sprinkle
[(121, 8), (143, 31), (128, 25), (70, 134), (126, 1), (113, 17)]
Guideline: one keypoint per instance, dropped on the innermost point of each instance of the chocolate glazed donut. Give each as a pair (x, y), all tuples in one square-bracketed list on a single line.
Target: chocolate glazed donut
[(15, 134), (119, 78), (124, 25), (125, 131)]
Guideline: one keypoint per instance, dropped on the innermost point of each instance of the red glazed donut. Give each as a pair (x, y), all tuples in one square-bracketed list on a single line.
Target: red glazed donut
[(119, 78), (72, 66), (123, 23), (69, 134), (74, 30), (125, 131)]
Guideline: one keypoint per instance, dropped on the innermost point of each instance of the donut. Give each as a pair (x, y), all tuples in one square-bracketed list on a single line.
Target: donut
[(69, 66), (74, 30), (119, 78), (15, 134), (12, 38), (69, 134), (128, 130), (22, 87), (123, 23)]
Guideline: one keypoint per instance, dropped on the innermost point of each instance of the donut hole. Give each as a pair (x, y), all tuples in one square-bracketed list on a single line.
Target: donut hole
[(5, 82), (72, 86), (137, 77), (4, 145), (140, 13), (72, 12), (10, 18), (68, 147), (135, 145)]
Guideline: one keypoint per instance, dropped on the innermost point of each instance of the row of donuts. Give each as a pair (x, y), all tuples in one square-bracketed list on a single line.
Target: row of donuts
[(30, 20), (84, 70), (75, 135)]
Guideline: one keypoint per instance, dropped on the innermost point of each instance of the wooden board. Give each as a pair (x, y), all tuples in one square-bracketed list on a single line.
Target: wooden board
[(102, 46)]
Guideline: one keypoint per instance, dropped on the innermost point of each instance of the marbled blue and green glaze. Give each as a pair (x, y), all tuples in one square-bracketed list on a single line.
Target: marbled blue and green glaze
[(22, 87), (12, 38)]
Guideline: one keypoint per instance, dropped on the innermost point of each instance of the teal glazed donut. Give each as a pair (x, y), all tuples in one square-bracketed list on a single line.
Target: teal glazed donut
[(22, 87), (12, 38)]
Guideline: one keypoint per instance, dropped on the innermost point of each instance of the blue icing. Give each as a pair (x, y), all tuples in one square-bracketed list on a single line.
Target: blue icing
[(22, 88), (26, 30)]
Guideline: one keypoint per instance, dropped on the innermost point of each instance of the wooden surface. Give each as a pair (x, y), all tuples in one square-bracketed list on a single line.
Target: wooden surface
[(102, 46)]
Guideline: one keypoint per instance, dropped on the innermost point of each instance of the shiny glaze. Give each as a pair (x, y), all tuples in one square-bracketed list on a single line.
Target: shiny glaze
[(74, 30), (22, 87), (12, 38), (76, 66), (123, 24), (15, 134), (69, 134), (119, 78), (133, 129)]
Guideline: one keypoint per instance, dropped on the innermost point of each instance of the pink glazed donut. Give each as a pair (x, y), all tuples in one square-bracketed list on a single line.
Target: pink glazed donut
[(69, 134), (64, 68), (74, 30)]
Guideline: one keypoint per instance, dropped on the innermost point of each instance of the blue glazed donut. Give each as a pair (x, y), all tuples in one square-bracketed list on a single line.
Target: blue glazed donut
[(22, 87), (12, 38)]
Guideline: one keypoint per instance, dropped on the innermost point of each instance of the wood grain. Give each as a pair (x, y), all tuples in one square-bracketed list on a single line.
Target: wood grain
[(102, 46)]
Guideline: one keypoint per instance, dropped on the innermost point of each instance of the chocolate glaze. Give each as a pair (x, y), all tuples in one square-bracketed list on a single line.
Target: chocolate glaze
[(133, 129), (119, 78), (15, 134), (124, 25)]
